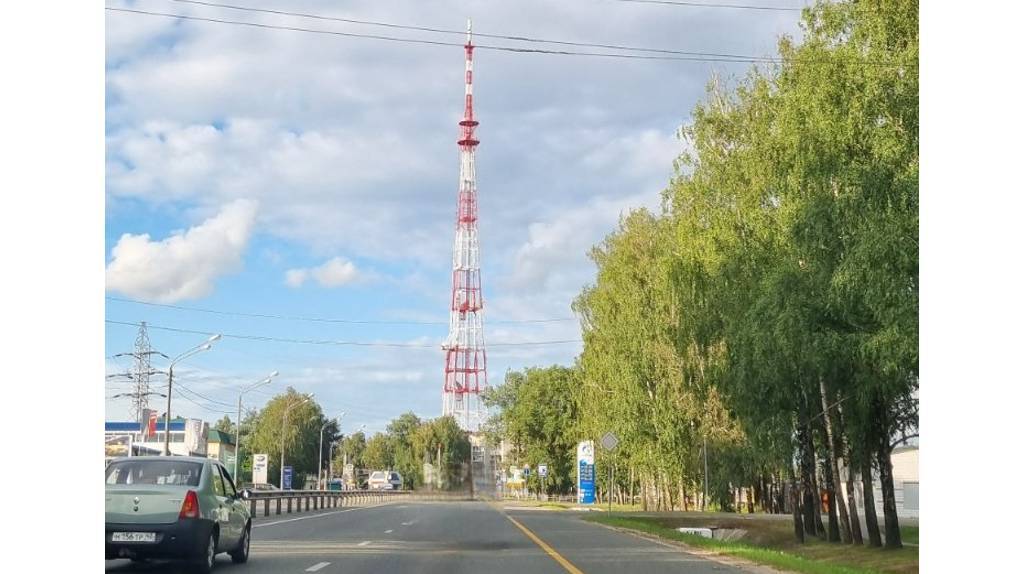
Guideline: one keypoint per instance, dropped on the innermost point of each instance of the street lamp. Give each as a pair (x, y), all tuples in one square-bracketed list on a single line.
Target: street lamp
[(284, 425), (238, 423), (320, 464), (170, 382)]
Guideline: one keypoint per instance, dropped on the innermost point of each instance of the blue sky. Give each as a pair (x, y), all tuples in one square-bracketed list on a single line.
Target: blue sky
[(235, 156)]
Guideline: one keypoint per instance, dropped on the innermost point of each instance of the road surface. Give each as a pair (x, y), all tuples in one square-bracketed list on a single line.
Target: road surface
[(445, 537)]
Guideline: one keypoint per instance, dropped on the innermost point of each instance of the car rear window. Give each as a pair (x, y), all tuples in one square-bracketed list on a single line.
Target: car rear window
[(377, 476), (162, 472)]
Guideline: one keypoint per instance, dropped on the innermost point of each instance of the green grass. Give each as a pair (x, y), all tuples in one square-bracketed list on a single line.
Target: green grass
[(909, 534), (771, 542)]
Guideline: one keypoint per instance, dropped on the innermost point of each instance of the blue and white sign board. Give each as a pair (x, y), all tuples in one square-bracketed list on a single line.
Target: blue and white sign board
[(542, 470), (526, 471), (287, 478), (585, 472)]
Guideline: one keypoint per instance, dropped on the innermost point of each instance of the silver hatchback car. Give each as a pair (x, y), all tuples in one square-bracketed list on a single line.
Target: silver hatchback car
[(175, 507)]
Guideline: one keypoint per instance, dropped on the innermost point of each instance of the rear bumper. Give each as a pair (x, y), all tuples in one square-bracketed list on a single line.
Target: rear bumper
[(184, 539)]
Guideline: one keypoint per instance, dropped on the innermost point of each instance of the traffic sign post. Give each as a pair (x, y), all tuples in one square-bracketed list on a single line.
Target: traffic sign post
[(542, 472), (609, 441), (287, 478)]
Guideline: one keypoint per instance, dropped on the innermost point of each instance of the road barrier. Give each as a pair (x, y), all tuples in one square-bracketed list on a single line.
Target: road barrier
[(304, 500)]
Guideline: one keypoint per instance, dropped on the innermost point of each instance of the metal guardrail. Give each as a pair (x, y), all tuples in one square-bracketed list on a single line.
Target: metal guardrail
[(305, 500)]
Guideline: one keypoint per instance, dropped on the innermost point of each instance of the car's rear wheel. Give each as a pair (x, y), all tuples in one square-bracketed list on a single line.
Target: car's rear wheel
[(206, 561), (241, 554)]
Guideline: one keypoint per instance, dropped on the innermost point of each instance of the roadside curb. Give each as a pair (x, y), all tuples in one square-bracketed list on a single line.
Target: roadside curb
[(726, 560)]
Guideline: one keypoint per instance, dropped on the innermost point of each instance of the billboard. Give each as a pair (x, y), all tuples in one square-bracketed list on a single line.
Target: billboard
[(118, 445), (195, 436), (259, 468), (585, 472)]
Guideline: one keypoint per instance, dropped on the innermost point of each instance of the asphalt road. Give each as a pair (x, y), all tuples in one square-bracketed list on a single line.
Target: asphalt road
[(445, 537)]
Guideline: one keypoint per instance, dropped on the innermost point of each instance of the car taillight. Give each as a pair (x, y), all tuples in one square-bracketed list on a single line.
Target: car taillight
[(190, 507)]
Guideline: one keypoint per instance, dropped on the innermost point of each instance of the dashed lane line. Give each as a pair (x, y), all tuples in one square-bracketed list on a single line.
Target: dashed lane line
[(317, 566), (364, 543), (388, 531)]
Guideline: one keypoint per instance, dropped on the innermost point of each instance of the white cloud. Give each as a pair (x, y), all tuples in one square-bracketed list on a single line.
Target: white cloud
[(335, 272), (186, 264)]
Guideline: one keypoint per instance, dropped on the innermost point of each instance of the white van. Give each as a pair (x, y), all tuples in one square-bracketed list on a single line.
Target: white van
[(385, 480)]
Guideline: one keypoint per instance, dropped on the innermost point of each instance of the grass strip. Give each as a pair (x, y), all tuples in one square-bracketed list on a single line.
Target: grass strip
[(756, 554)]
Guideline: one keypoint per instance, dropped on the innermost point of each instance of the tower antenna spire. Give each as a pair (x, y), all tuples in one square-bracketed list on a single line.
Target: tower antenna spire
[(465, 369)]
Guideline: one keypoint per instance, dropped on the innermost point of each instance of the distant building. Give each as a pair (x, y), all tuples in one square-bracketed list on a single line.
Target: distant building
[(221, 446), (188, 437)]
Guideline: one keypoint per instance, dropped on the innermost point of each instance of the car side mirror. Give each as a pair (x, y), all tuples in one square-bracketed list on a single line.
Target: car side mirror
[(246, 494)]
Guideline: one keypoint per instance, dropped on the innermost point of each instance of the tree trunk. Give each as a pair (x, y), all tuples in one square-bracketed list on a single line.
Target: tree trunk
[(870, 518), (809, 491), (893, 538), (750, 500), (855, 531), (831, 439), (830, 491), (794, 500)]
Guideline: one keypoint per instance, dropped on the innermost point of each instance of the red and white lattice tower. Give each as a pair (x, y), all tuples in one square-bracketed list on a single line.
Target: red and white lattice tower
[(465, 367)]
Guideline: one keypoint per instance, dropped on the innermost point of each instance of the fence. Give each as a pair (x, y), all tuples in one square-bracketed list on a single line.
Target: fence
[(290, 501)]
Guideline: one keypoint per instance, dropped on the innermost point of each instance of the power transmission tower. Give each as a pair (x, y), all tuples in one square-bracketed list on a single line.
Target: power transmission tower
[(465, 370), (139, 375), (140, 402)]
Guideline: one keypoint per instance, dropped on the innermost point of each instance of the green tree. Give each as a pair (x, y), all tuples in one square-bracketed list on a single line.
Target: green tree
[(225, 425), (379, 453), (299, 435)]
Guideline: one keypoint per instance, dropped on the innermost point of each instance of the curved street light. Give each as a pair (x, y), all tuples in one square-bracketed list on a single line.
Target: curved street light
[(170, 382), (238, 422), (320, 465), (284, 425)]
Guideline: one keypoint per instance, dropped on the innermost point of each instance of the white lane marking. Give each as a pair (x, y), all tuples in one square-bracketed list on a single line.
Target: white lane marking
[(388, 531), (410, 523), (317, 566), (364, 543), (260, 525)]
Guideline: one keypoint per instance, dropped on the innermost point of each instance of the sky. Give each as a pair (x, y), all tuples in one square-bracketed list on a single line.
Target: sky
[(253, 171)]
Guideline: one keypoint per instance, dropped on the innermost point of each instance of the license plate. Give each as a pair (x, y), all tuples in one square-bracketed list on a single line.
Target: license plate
[(134, 537)]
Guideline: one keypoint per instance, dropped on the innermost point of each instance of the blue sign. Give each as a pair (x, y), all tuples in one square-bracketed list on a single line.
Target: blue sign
[(287, 478), (585, 473), (586, 483)]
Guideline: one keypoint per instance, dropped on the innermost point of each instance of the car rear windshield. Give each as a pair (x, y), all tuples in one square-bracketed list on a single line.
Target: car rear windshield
[(377, 476), (165, 472)]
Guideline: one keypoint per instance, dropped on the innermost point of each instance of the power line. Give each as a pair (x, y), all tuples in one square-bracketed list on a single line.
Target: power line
[(709, 58), (321, 319), (514, 38), (713, 5), (329, 342)]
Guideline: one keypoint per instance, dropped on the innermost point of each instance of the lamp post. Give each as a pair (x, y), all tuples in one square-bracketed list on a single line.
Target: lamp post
[(284, 425), (170, 386), (238, 423), (320, 464)]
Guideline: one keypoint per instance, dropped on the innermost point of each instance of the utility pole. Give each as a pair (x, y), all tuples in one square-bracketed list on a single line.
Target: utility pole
[(704, 503), (139, 375)]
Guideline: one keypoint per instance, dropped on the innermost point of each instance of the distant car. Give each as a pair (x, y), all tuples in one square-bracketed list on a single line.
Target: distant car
[(176, 507), (259, 486), (385, 480)]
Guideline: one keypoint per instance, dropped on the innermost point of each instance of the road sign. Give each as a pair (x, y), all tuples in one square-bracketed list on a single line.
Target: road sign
[(526, 471), (609, 441), (542, 470), (259, 468), (287, 478)]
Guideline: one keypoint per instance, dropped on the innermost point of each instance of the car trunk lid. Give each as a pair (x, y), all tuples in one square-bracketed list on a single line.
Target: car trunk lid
[(142, 504)]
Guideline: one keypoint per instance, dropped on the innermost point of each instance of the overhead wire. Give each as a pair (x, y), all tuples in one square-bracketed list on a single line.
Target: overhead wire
[(330, 342), (696, 58), (714, 5), (321, 319), (476, 34)]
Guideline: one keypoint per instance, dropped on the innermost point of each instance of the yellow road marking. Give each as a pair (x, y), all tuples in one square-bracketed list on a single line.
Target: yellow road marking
[(544, 546)]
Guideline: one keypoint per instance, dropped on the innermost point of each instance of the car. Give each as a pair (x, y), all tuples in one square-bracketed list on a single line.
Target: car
[(385, 480), (259, 486), (175, 507)]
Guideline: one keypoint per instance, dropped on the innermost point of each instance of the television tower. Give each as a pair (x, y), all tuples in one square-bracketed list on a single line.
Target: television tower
[(465, 367)]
